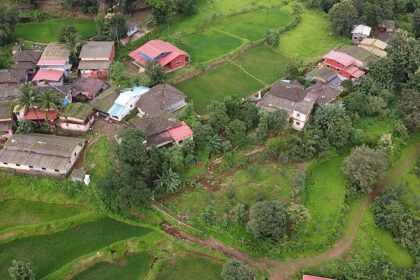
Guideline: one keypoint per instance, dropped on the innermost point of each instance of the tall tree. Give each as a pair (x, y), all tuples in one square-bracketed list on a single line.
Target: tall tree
[(21, 270), (8, 20), (416, 23), (28, 98), (235, 270), (343, 16), (155, 73), (73, 41), (409, 106), (47, 101)]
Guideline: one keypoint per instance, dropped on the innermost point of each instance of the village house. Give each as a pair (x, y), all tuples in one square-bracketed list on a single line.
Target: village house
[(26, 60), (292, 97), (170, 57), (11, 76), (324, 93), (77, 117), (48, 77), (5, 121), (345, 65), (87, 88), (161, 98), (56, 56), (362, 55), (38, 115), (375, 46), (162, 130), (103, 102), (323, 75), (386, 26), (95, 59), (360, 32), (42, 154), (126, 102)]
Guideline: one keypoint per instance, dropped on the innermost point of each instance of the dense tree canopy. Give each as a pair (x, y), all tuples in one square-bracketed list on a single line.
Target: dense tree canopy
[(8, 20), (111, 27), (235, 270), (21, 270), (409, 105), (343, 16), (267, 219), (365, 167)]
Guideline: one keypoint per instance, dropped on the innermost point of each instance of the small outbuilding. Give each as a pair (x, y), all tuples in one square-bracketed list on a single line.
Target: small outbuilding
[(95, 59), (77, 117), (87, 88), (126, 102), (387, 26), (26, 60), (50, 77), (360, 32)]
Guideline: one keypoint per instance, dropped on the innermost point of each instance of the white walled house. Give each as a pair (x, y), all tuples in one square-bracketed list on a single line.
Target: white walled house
[(126, 102), (42, 154), (77, 117), (56, 56)]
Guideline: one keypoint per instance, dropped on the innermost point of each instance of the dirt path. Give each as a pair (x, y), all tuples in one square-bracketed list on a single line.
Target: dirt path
[(282, 270)]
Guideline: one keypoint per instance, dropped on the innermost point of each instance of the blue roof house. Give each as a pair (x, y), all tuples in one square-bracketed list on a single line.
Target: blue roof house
[(126, 102)]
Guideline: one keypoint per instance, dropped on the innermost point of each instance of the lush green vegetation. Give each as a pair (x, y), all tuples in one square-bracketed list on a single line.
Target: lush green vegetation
[(190, 266), (49, 252), (24, 212), (134, 266), (218, 84), (48, 31)]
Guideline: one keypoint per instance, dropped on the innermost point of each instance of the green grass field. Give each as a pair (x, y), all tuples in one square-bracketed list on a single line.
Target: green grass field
[(310, 39), (218, 84), (50, 252), (368, 130), (254, 24), (135, 266), (22, 212), (48, 31), (209, 45), (264, 63), (189, 266), (97, 158)]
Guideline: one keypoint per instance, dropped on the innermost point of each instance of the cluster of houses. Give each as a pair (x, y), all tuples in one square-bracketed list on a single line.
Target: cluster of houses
[(348, 62), (151, 110)]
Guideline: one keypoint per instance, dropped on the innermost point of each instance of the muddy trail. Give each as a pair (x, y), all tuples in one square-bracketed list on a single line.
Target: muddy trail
[(283, 270)]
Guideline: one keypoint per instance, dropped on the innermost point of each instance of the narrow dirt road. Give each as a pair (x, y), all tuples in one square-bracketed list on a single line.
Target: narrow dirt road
[(283, 270)]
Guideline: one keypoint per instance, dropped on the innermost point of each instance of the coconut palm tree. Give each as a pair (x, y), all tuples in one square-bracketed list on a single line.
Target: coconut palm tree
[(28, 98), (73, 41), (48, 100)]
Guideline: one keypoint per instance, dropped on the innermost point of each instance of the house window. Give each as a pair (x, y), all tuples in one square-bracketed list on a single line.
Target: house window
[(5, 163), (30, 166), (43, 168), (298, 114), (17, 164), (298, 123), (56, 170), (178, 62), (75, 154)]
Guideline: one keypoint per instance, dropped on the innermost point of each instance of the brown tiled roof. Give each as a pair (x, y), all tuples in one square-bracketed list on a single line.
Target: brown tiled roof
[(290, 91), (23, 65), (93, 64), (160, 98), (55, 51), (27, 56), (90, 85), (324, 92), (9, 91), (11, 76), (157, 124), (96, 49), (387, 24), (324, 73), (41, 150), (5, 110)]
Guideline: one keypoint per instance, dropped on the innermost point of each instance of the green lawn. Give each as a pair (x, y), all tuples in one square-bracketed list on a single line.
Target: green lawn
[(218, 84), (97, 159), (264, 63), (23, 212), (50, 252), (253, 25), (48, 31), (190, 267), (209, 45), (368, 130), (134, 266), (310, 39)]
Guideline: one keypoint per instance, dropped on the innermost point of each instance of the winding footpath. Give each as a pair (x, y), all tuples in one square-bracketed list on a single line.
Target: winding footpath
[(283, 270)]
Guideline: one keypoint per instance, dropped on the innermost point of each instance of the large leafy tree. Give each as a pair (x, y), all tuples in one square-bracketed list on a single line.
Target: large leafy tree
[(8, 20), (268, 219), (365, 167), (21, 270), (28, 98), (334, 124), (111, 27), (73, 41), (343, 16), (155, 73), (236, 132), (409, 106), (47, 101), (218, 116), (186, 7), (416, 22), (235, 270)]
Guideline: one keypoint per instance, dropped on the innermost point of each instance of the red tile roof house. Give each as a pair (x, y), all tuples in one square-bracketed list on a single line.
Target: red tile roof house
[(95, 59), (34, 114), (56, 56), (170, 57), (50, 77), (346, 65)]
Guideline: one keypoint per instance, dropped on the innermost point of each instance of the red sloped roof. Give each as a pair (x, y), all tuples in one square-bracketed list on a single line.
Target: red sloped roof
[(354, 71), (48, 75), (340, 57), (310, 277), (34, 114), (51, 62), (154, 48), (181, 132)]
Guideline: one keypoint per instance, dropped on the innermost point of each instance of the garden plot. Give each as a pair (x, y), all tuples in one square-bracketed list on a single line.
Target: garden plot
[(22, 212), (48, 31), (50, 252)]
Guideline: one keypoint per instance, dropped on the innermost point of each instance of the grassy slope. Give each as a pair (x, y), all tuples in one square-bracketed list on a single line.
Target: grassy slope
[(50, 252), (310, 39), (47, 31), (134, 266), (23, 212), (218, 84), (188, 267)]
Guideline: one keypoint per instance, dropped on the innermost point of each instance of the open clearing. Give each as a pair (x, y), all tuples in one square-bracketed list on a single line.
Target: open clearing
[(190, 266), (23, 212), (48, 31), (135, 266), (50, 252)]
